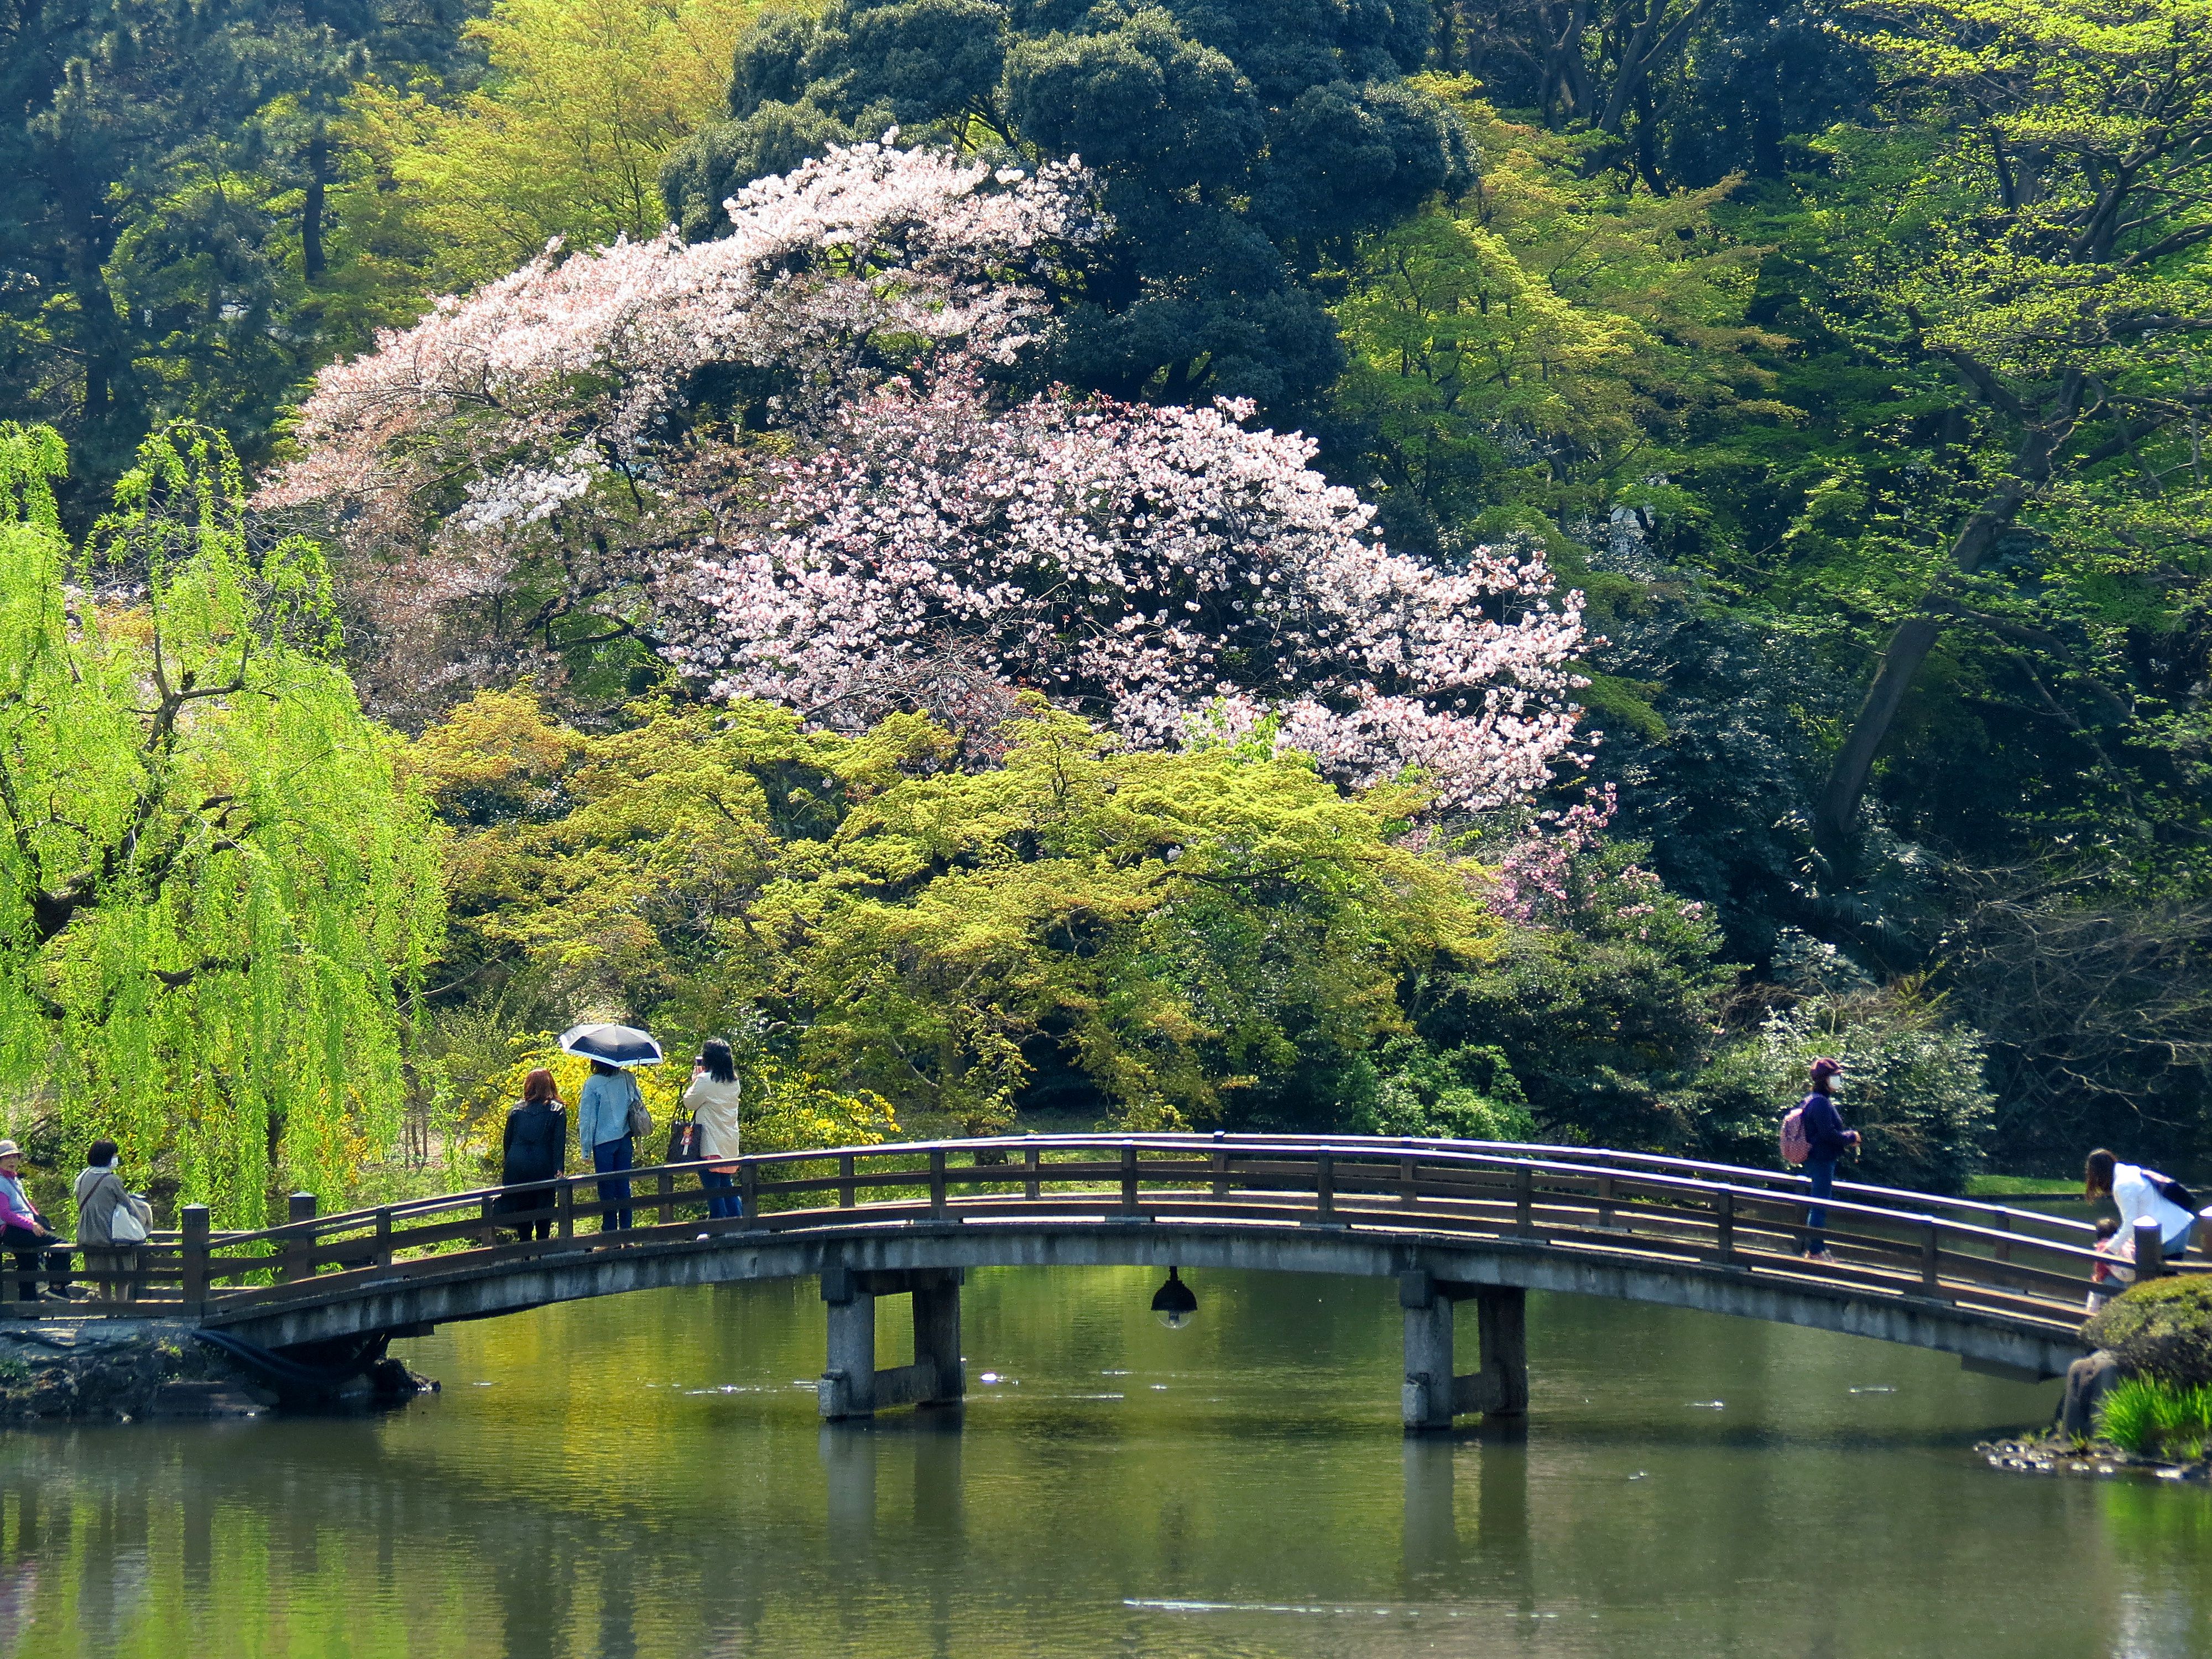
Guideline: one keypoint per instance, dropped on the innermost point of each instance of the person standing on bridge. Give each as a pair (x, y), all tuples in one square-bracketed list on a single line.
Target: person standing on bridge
[(712, 1100), (1826, 1140), (534, 1148), (2141, 1194), (602, 1126)]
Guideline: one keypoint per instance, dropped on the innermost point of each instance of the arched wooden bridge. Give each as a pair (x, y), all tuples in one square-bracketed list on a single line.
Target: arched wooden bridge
[(1447, 1220)]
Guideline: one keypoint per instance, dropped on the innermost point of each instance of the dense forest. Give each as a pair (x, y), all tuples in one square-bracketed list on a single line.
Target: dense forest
[(1504, 568)]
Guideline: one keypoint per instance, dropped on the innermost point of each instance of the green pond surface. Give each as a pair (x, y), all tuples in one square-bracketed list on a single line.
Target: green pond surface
[(646, 1476)]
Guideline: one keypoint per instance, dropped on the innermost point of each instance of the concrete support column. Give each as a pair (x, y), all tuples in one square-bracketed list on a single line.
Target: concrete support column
[(1425, 1401), (937, 1340), (849, 1381), (1433, 1394), (1501, 1318), (851, 1385)]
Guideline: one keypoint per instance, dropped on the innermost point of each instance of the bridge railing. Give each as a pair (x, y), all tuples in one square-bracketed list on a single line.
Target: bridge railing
[(2006, 1262)]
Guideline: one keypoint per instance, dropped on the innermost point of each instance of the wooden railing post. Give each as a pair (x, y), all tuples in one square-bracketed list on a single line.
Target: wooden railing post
[(665, 1189), (193, 1222), (1409, 1180), (1524, 1200), (1931, 1243), (487, 1235), (1129, 1178), (1033, 1159), (937, 1183), (2003, 1249), (2150, 1250), (564, 1208), (384, 1239), (298, 1253), (1725, 1226), (749, 1190), (846, 1195), (1325, 1189), (1605, 1207)]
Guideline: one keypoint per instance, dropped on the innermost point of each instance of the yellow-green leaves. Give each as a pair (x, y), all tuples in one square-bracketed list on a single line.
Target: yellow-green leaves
[(1161, 936), (216, 888)]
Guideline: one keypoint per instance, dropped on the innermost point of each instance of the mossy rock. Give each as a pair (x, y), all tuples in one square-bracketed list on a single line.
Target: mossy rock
[(2163, 1329)]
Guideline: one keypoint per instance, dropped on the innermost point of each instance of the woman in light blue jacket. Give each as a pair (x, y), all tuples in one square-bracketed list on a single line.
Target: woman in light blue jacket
[(603, 1129)]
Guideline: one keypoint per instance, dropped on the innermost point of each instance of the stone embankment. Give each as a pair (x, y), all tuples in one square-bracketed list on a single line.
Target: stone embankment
[(97, 1370)]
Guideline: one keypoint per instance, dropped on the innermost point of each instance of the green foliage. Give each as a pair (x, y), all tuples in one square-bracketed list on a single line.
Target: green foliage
[(2161, 1329), (1912, 1085), (566, 136), (2151, 1417), (169, 245), (216, 889), (1214, 936), (1238, 146), (1543, 347), (1604, 1008), (1465, 1093)]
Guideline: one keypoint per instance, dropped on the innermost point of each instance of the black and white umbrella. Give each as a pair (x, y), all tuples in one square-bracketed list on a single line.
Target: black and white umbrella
[(617, 1045)]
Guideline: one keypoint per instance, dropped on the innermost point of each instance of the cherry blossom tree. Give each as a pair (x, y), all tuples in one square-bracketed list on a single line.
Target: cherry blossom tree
[(779, 459), (512, 462), (1162, 568)]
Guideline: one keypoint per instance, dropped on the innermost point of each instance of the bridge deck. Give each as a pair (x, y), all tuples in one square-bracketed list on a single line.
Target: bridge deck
[(2004, 1284)]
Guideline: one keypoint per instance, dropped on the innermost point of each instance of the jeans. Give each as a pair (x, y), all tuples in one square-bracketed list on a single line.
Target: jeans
[(613, 1155), (718, 1185), (1821, 1173)]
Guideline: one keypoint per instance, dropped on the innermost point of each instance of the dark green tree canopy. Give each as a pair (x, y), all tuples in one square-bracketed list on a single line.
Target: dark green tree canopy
[(1243, 147)]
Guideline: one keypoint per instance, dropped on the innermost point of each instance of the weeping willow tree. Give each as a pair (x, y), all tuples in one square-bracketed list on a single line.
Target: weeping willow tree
[(216, 886)]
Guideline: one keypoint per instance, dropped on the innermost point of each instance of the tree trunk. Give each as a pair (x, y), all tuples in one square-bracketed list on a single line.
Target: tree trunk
[(311, 213), (1835, 814)]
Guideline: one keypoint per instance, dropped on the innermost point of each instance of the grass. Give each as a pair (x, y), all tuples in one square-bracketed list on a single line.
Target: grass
[(2004, 1186), (2152, 1417)]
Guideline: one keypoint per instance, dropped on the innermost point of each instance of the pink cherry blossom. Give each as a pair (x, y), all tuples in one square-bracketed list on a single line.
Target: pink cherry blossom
[(1150, 566)]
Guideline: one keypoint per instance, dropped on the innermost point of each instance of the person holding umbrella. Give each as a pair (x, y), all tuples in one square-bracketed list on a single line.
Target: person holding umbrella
[(611, 1112)]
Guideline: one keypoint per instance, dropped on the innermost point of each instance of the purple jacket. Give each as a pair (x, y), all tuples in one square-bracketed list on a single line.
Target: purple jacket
[(16, 1210)]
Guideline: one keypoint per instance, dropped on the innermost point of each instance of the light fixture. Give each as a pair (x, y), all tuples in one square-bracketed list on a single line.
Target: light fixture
[(1173, 1304)]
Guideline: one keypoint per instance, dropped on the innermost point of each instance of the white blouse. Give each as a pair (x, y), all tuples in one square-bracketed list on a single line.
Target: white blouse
[(713, 1106), (2138, 1200)]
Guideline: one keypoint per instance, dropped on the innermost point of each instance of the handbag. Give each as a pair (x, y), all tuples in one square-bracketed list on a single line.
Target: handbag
[(125, 1223), (641, 1120), (682, 1139)]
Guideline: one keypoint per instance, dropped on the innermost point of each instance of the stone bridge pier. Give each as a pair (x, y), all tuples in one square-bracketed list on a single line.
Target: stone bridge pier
[(851, 1384), (1435, 1392)]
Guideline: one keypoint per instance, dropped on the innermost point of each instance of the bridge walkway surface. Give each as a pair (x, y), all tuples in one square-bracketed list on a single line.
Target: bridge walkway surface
[(1449, 1221)]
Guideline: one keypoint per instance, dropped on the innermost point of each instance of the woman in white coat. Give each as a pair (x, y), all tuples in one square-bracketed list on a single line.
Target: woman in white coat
[(712, 1100), (2141, 1194)]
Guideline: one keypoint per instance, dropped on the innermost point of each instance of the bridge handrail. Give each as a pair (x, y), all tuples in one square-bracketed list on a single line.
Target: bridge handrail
[(1471, 1153), (1938, 1236), (1743, 1179)]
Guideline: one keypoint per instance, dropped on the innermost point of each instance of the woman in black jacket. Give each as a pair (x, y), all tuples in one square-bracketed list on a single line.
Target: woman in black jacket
[(534, 1149)]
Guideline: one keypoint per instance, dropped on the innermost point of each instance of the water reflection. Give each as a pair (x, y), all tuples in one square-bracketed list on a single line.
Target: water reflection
[(646, 1477)]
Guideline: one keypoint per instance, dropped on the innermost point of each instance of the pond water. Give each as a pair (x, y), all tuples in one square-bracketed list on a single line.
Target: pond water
[(644, 1476)]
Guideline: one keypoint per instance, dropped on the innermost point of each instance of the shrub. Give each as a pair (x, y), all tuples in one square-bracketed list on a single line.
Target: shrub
[(2161, 1329), (1913, 1086), (2152, 1417)]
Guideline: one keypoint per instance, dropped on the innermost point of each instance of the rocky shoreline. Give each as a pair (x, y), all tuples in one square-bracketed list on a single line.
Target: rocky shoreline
[(2056, 1454), (110, 1370)]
